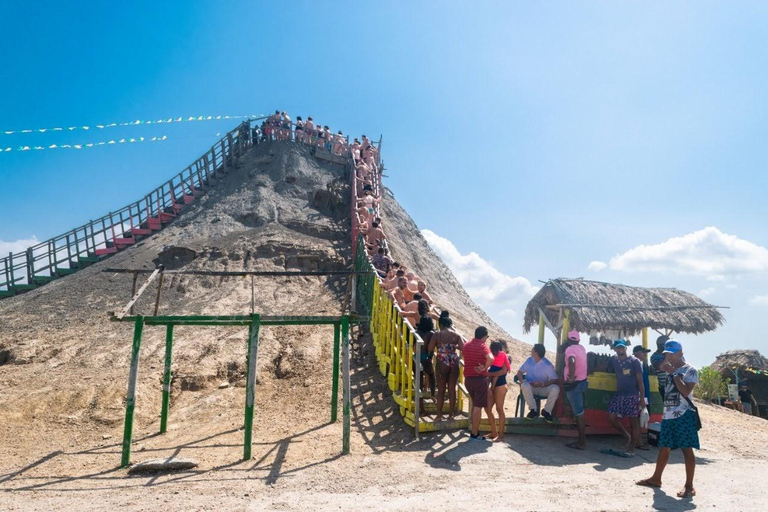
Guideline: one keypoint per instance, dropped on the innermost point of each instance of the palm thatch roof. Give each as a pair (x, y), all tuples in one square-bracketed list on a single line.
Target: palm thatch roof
[(742, 359), (600, 307)]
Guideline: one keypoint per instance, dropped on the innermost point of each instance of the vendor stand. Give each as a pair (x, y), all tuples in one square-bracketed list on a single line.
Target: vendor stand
[(605, 311)]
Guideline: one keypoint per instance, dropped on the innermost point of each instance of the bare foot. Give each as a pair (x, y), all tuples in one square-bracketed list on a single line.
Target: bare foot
[(687, 492), (649, 482), (499, 439), (438, 418)]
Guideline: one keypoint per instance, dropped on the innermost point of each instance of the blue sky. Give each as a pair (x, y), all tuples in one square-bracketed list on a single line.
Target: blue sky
[(541, 137)]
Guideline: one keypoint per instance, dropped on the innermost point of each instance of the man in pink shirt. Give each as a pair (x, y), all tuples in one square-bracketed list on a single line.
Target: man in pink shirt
[(576, 384)]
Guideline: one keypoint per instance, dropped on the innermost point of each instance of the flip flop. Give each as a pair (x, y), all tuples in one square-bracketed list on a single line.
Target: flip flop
[(686, 493), (647, 483), (644, 447), (575, 446), (617, 453)]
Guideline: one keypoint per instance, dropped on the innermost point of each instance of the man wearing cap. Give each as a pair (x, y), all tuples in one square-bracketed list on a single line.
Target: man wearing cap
[(628, 400), (641, 353), (576, 384), (679, 427), (657, 359)]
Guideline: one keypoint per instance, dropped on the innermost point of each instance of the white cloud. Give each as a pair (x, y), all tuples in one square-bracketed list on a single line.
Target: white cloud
[(708, 252), (597, 265), (17, 245), (706, 292), (759, 300), (508, 312), (485, 284)]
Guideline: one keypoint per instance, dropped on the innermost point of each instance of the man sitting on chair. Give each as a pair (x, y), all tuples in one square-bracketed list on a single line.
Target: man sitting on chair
[(540, 381)]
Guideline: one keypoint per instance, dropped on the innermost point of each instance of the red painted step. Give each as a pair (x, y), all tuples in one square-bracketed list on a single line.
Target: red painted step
[(105, 251), (177, 207), (154, 223), (140, 231), (188, 199), (124, 241), (166, 217)]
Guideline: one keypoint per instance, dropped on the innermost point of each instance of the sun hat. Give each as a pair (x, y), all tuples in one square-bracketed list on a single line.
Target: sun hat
[(574, 335), (672, 347)]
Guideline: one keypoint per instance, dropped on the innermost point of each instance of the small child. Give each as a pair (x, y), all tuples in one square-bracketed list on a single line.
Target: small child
[(500, 362)]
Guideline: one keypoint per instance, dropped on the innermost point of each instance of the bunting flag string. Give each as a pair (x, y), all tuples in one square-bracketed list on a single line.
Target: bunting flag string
[(89, 145), (190, 119)]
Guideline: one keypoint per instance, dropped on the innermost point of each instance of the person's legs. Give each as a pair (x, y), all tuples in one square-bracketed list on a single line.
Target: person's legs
[(476, 411), (499, 393), (576, 399), (453, 379), (551, 392), (527, 390), (634, 425), (581, 427), (661, 462), (690, 468), (615, 423), (442, 380), (491, 419)]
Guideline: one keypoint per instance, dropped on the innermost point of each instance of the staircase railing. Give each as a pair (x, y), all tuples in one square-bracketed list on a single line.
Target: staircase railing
[(70, 251)]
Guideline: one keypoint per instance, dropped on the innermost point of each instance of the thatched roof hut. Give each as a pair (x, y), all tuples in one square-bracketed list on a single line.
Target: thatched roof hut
[(751, 366), (605, 307)]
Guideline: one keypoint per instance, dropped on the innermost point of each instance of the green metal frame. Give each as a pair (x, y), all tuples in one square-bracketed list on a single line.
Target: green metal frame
[(341, 342)]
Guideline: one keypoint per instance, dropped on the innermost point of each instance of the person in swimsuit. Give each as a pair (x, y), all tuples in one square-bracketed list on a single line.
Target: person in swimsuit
[(425, 329), (309, 129), (498, 380), (299, 136), (446, 342)]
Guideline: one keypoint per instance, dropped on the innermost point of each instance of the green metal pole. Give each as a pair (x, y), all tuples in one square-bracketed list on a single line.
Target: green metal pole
[(130, 400), (167, 378), (250, 385), (346, 389), (335, 385)]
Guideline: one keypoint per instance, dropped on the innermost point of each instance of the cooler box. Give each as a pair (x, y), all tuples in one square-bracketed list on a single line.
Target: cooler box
[(654, 429)]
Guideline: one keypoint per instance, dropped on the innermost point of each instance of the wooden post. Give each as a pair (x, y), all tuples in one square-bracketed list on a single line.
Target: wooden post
[(69, 250), (130, 399), (167, 378), (541, 328), (250, 384), (9, 272), (346, 391), (159, 290), (645, 337), (417, 386), (335, 383), (30, 266)]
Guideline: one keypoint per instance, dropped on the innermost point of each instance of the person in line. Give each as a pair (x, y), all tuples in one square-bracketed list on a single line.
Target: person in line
[(498, 384), (354, 150), (657, 358), (411, 310), (446, 342), (381, 262), (373, 235), (679, 427), (398, 294), (338, 144), (477, 360), (299, 130), (747, 399), (285, 124), (421, 286), (309, 130), (391, 283), (425, 329), (575, 384), (628, 401), (539, 378), (641, 354)]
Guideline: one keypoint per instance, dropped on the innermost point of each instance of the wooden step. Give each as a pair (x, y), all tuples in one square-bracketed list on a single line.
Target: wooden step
[(24, 287), (187, 199), (87, 259), (6, 293), (65, 271), (105, 251), (166, 217), (124, 241), (198, 192), (154, 224), (177, 207), (141, 231), (43, 279)]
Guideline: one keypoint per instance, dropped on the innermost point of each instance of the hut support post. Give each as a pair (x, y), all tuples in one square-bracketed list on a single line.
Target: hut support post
[(167, 378), (541, 328), (645, 337)]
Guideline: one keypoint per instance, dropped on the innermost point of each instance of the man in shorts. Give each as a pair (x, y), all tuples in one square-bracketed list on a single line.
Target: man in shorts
[(679, 428), (746, 398), (575, 384), (477, 360), (629, 399)]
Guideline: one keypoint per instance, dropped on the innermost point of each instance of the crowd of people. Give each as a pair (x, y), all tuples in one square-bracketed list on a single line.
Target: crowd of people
[(280, 127), (487, 365)]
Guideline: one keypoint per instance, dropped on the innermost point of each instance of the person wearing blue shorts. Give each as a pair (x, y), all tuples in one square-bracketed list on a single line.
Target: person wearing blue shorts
[(575, 384)]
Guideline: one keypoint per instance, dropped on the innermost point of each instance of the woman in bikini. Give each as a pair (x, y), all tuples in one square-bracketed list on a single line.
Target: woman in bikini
[(498, 377), (299, 136), (447, 342)]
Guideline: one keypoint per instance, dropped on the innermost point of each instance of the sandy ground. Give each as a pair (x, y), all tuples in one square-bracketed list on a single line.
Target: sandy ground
[(297, 463)]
